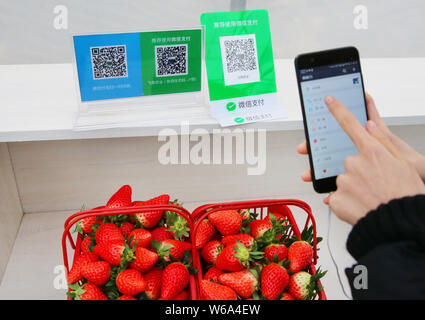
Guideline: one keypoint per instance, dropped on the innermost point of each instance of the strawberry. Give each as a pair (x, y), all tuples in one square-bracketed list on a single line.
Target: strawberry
[(300, 253), (181, 296), (114, 252), (259, 227), (177, 225), (275, 252), (130, 282), (236, 258), (244, 282), (85, 226), (125, 297), (122, 198), (140, 236), (303, 286), (287, 296), (153, 283), (171, 248), (74, 274), (210, 251), (87, 291), (246, 239), (227, 222), (97, 272), (282, 217), (126, 228), (214, 291), (145, 260), (175, 278), (151, 218), (159, 234), (212, 274), (274, 279), (87, 244), (108, 232), (204, 233)]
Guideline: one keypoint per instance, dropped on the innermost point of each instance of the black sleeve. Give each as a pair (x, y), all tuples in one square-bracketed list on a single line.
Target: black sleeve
[(390, 243)]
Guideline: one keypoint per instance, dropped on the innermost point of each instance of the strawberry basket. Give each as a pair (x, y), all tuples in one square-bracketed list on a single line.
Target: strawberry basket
[(75, 246), (260, 208)]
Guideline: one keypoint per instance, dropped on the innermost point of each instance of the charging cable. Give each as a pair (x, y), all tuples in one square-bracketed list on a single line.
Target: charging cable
[(332, 257)]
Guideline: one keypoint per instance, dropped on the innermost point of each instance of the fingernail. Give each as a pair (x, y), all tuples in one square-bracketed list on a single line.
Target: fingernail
[(329, 99), (371, 124)]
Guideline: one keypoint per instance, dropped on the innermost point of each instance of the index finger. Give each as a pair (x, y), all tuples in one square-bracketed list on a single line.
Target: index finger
[(348, 122)]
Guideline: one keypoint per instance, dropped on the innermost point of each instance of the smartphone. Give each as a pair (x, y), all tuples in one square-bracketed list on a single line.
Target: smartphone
[(335, 72)]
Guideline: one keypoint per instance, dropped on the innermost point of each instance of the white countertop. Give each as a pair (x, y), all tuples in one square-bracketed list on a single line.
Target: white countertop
[(39, 102)]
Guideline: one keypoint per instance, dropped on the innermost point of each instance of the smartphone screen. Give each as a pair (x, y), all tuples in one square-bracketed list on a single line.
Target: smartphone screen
[(328, 144)]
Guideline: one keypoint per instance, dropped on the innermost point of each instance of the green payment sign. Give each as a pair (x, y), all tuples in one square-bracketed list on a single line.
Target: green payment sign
[(240, 67)]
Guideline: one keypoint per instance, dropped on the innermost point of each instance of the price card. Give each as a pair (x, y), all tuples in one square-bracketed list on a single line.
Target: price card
[(126, 65), (240, 67)]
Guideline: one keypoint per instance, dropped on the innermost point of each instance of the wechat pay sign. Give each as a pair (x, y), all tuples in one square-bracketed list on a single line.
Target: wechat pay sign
[(240, 59)]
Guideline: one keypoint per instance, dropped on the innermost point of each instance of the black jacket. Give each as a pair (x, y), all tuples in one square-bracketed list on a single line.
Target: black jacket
[(390, 243)]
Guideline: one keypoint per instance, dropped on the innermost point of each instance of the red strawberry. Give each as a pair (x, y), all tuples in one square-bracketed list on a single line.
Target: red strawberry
[(150, 219), (145, 260), (108, 232), (171, 247), (287, 296), (86, 244), (212, 274), (159, 234), (126, 228), (304, 286), (235, 258), (114, 252), (140, 236), (122, 198), (130, 282), (210, 251), (244, 282), (74, 274), (214, 291), (258, 227), (227, 222), (204, 233), (278, 250), (181, 296), (87, 291), (153, 283), (97, 272), (84, 226), (124, 297), (175, 278), (300, 253), (274, 279), (246, 239)]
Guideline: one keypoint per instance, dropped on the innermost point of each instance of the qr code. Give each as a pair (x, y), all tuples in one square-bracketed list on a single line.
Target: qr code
[(171, 60), (240, 59), (109, 62)]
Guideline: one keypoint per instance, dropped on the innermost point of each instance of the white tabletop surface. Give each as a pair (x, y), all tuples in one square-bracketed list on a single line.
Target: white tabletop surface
[(39, 101)]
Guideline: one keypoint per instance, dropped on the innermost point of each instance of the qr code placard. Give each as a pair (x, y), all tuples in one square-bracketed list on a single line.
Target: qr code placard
[(240, 59), (171, 60), (109, 62)]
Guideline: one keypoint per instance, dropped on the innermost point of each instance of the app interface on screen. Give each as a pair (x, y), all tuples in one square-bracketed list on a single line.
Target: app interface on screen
[(329, 144)]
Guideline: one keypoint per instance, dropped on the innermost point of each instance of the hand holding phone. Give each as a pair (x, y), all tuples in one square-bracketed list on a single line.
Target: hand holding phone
[(378, 174), (334, 72)]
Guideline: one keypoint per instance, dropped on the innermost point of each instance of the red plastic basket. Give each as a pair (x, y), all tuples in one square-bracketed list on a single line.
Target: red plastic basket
[(102, 211), (262, 207)]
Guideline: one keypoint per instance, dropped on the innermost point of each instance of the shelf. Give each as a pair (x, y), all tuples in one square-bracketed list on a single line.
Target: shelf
[(39, 102)]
